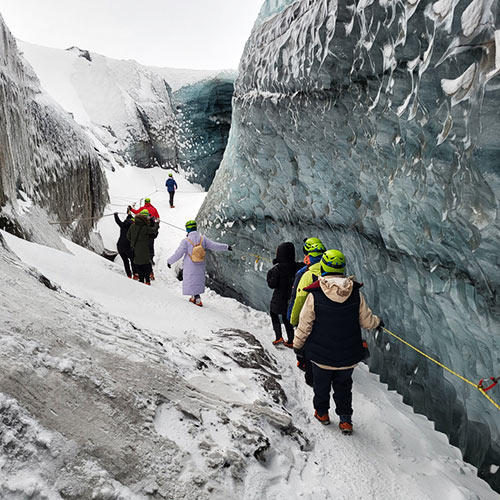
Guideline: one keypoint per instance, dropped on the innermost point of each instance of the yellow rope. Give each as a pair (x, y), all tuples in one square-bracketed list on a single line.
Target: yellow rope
[(444, 367)]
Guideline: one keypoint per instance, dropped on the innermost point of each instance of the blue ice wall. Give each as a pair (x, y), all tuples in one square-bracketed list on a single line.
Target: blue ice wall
[(203, 112), (375, 126)]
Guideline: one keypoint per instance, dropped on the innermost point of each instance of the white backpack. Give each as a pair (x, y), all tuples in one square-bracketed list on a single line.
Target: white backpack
[(198, 253)]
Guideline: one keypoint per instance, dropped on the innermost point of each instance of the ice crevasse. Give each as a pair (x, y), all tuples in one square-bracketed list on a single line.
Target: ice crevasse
[(374, 125)]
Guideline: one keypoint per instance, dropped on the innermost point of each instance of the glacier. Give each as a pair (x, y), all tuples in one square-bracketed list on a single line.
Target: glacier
[(374, 125), (49, 169)]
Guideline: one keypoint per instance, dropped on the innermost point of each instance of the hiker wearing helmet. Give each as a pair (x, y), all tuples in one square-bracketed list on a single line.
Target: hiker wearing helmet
[(280, 278), (313, 250), (139, 235), (147, 206), (154, 216), (193, 249), (329, 335), (171, 187)]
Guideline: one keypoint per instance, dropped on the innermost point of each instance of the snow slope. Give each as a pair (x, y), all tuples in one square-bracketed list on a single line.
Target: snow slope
[(115, 390), (122, 104)]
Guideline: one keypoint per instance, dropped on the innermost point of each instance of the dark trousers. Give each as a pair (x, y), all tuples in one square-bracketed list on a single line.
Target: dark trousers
[(171, 195), (275, 318), (151, 245), (144, 271), (128, 261), (341, 383)]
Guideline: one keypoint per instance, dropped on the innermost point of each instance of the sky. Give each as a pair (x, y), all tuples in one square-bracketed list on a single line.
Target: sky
[(198, 34)]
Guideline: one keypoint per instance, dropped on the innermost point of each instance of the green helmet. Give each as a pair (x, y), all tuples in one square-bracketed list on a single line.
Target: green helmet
[(144, 212), (313, 247), (191, 225), (170, 175), (147, 200), (333, 261)]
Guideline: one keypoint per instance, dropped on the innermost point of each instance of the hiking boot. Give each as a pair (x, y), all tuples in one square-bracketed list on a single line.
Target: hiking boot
[(345, 424), (172, 206), (278, 341), (129, 276), (324, 419), (196, 302), (136, 276), (289, 344), (345, 427), (148, 283), (152, 276)]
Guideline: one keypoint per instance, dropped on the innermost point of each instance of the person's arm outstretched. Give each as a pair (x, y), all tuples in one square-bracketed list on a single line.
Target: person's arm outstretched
[(213, 245), (181, 250)]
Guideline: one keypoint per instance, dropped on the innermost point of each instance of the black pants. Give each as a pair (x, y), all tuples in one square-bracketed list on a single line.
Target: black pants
[(144, 271), (151, 246), (275, 318), (128, 260), (341, 383), (171, 195)]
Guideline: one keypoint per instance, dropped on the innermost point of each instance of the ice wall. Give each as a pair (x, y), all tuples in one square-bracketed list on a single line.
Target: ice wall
[(375, 125), (204, 119), (49, 171), (125, 105)]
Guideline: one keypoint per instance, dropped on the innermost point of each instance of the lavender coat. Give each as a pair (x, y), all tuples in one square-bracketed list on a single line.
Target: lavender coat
[(193, 282)]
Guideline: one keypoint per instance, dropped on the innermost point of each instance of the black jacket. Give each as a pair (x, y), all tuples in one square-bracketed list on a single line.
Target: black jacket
[(280, 277), (123, 244), (335, 339)]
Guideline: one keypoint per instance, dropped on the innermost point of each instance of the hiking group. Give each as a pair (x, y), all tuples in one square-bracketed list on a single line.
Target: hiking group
[(321, 308), (328, 311), (136, 247)]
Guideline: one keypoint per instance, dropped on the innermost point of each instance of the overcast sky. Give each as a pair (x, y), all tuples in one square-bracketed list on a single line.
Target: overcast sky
[(200, 34)]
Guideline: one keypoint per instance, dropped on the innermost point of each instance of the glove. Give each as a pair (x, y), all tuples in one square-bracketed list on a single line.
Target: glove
[(301, 359), (169, 266), (129, 208), (115, 213), (380, 326), (230, 248)]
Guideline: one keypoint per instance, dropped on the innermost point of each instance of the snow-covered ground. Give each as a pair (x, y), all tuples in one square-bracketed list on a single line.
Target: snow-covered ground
[(122, 391)]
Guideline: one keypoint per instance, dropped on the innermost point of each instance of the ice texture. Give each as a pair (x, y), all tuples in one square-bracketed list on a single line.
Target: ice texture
[(374, 125), (204, 119), (49, 170)]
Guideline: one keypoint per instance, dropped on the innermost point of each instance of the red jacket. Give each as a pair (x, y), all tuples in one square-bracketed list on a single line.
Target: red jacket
[(147, 206)]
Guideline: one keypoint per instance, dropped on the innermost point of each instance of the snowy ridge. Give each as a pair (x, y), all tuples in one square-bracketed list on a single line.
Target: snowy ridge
[(128, 111), (124, 105), (126, 392)]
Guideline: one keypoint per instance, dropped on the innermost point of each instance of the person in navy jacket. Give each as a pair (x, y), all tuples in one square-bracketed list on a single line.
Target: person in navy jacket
[(171, 187)]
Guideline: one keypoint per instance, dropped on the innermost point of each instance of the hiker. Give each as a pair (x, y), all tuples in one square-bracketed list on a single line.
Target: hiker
[(313, 250), (329, 335), (138, 235), (192, 248), (171, 187), (123, 245), (147, 206), (153, 213), (280, 278)]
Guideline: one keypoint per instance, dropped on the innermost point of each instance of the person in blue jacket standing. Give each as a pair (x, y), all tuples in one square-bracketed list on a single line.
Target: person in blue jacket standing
[(171, 187)]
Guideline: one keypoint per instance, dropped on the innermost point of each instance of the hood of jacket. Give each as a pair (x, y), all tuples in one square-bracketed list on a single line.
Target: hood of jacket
[(337, 288), (285, 253), (141, 220)]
